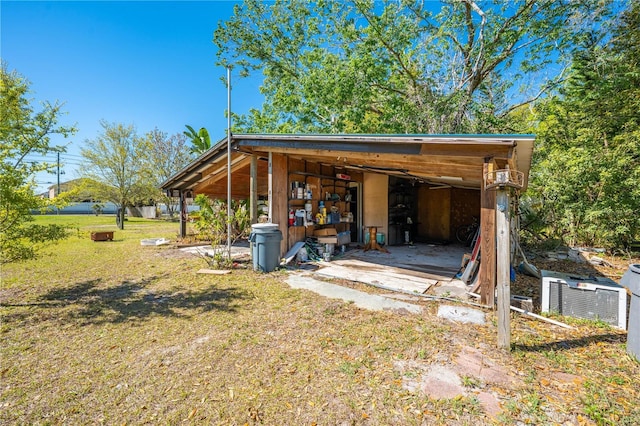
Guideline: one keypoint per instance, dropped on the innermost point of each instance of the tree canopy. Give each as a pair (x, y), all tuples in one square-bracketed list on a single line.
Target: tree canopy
[(24, 131), (167, 156), (399, 66), (117, 161), (200, 140), (587, 162)]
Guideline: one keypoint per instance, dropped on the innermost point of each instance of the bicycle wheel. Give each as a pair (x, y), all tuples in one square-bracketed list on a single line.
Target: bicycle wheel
[(462, 234)]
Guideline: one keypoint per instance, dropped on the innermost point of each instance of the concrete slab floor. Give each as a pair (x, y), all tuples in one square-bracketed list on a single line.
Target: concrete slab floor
[(441, 261), (359, 298)]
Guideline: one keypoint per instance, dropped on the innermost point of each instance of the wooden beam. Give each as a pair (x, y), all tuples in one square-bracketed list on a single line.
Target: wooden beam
[(183, 215), (471, 149), (426, 154), (502, 268), (219, 171), (487, 273), (253, 190), (279, 196)]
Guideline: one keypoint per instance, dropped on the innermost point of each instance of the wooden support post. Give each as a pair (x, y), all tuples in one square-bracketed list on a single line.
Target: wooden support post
[(278, 197), (183, 214), (503, 259), (253, 190), (270, 187), (487, 273)]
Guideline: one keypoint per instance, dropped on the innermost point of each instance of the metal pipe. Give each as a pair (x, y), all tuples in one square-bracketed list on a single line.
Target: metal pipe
[(229, 161)]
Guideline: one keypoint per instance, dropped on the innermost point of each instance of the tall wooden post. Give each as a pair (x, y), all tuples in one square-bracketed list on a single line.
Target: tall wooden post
[(253, 190), (503, 262), (278, 202), (487, 273), (183, 214)]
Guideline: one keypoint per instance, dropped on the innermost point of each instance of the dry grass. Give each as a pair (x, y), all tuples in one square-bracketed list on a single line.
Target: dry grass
[(116, 333)]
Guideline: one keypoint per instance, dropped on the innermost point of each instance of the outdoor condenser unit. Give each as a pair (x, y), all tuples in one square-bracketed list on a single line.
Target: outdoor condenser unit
[(593, 298)]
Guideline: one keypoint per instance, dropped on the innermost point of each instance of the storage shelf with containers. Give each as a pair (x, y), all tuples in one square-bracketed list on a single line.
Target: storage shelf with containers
[(320, 197), (319, 200)]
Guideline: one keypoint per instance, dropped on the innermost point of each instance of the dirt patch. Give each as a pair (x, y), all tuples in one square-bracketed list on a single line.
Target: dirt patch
[(470, 374), (471, 362)]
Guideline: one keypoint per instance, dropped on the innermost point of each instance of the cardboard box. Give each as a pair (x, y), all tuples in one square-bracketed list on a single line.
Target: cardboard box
[(328, 240), (325, 232), (326, 235)]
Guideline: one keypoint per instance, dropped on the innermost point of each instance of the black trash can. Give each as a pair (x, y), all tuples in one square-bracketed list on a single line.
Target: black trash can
[(266, 238), (631, 280)]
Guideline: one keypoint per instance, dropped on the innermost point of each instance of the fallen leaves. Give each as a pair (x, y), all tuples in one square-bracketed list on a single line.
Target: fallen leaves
[(275, 358)]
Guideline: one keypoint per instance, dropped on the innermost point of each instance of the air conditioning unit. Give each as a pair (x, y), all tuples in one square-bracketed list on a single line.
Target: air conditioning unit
[(595, 298)]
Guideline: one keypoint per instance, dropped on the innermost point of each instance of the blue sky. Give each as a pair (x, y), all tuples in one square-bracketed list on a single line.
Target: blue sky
[(147, 63)]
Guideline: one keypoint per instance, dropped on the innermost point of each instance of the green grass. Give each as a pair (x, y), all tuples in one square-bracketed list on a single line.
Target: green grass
[(119, 333)]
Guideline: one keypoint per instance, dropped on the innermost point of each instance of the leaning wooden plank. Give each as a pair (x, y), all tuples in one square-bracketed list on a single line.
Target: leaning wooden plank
[(473, 263), (214, 271), (475, 284), (378, 275)]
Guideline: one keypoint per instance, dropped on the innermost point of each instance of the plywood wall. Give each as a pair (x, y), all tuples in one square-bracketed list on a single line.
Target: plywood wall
[(465, 205), (434, 207), (375, 195)]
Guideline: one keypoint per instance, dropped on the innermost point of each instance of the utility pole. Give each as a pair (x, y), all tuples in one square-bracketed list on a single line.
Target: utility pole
[(58, 186), (229, 161), (58, 193)]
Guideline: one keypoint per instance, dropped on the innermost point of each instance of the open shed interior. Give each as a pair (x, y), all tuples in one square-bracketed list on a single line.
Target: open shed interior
[(411, 188), (404, 210), (426, 213)]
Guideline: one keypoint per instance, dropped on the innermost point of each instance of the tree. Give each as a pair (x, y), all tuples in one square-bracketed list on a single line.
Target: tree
[(212, 225), (587, 166), (400, 66), (167, 156), (24, 132), (117, 161), (200, 141)]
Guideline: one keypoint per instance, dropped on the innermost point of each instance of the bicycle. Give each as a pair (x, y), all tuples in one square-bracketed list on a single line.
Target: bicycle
[(467, 234)]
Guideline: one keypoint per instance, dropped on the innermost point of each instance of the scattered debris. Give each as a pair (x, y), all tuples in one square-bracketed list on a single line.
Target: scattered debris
[(154, 241), (472, 265), (549, 320), (528, 269), (214, 271), (461, 314), (291, 254), (522, 302), (525, 267), (595, 260), (453, 288)]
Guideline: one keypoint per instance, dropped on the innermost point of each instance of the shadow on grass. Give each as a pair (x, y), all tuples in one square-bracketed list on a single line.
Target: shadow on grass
[(567, 344), (89, 302)]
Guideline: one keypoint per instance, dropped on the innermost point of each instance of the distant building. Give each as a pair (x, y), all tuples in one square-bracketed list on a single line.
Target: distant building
[(83, 195)]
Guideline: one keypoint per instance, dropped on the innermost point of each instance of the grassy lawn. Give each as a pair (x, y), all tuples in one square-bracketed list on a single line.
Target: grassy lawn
[(117, 333)]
